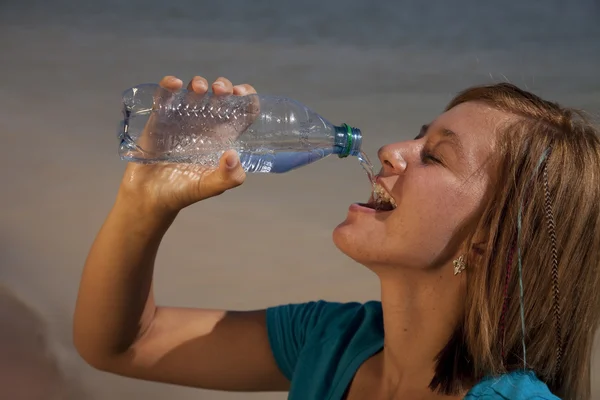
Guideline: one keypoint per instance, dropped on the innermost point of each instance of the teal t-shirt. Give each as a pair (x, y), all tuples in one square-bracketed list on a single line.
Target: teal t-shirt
[(319, 346)]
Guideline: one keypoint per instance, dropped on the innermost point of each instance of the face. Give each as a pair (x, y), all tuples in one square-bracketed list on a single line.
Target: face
[(438, 180)]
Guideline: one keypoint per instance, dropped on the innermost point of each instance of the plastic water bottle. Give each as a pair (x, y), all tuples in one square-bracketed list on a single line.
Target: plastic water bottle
[(271, 134)]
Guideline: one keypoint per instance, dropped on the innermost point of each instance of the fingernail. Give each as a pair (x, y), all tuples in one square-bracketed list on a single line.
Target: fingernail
[(239, 90), (219, 83), (231, 162)]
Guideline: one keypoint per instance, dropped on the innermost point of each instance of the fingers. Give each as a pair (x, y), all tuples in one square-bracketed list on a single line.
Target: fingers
[(228, 175), (198, 84), (171, 83), (253, 106), (231, 169), (243, 90), (222, 87)]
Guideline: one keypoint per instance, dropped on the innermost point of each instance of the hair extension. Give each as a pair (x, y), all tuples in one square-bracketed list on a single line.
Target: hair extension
[(555, 290)]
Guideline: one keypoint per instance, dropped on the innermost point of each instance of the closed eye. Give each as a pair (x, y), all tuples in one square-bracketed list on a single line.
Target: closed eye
[(428, 158)]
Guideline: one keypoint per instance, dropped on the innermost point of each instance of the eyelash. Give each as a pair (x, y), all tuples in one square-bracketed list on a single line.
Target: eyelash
[(427, 158)]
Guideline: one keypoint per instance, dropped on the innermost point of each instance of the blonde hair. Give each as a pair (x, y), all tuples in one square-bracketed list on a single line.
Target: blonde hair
[(543, 205)]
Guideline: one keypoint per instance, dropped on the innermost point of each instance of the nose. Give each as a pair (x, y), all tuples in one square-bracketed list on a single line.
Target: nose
[(391, 158)]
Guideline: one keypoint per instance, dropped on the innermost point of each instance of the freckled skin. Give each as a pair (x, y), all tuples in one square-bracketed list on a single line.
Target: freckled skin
[(432, 199)]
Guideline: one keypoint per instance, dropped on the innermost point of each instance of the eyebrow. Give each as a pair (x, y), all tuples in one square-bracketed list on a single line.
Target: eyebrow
[(448, 135)]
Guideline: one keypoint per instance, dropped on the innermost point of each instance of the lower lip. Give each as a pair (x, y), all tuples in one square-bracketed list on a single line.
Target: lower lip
[(355, 207)]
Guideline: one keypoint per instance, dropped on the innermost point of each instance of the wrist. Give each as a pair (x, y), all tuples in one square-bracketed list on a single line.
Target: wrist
[(143, 207)]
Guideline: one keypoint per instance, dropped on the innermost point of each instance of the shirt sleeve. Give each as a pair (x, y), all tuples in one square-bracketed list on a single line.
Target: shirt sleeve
[(289, 328)]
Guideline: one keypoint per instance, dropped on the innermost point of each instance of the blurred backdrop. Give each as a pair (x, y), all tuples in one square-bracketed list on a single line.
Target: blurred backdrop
[(386, 67)]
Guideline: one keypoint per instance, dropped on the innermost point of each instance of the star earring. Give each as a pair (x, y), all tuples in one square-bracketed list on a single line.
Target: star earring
[(459, 265)]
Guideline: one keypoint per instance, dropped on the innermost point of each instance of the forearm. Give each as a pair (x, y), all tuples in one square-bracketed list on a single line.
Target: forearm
[(115, 303)]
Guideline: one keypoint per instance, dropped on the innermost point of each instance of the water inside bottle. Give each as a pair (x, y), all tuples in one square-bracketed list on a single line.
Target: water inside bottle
[(365, 163)]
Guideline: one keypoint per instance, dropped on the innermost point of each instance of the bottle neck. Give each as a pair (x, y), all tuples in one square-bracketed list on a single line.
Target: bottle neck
[(348, 141)]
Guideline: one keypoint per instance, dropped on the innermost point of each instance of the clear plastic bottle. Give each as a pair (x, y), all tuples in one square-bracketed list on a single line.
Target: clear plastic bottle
[(271, 134)]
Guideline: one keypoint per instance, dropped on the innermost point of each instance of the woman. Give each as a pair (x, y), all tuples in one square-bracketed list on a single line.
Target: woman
[(489, 267)]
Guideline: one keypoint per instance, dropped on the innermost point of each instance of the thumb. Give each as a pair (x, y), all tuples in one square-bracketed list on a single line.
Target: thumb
[(228, 175)]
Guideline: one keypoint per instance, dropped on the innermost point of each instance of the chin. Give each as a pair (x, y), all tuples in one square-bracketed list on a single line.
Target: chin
[(367, 244), (339, 236), (349, 241)]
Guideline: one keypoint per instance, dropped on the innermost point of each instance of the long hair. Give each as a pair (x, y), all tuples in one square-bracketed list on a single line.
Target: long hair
[(533, 286)]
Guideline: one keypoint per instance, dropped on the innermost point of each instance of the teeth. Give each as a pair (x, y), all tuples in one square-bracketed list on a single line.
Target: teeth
[(382, 196)]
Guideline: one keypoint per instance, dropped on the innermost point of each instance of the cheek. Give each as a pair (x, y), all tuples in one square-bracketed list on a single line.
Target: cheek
[(427, 202), (428, 214), (418, 232)]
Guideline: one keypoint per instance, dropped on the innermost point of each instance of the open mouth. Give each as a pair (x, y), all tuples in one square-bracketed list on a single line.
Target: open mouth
[(380, 200)]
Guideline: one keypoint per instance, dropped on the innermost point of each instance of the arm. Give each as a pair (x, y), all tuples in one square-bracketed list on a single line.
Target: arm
[(119, 329)]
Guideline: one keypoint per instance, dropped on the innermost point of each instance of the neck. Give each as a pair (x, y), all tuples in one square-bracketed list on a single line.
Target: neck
[(420, 312)]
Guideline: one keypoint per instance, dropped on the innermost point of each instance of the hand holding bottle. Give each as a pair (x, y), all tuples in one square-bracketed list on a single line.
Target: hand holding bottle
[(272, 134), (169, 187)]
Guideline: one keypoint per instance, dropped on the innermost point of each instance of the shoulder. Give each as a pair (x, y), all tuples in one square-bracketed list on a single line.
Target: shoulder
[(318, 345), (517, 385), (324, 315), (324, 318)]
